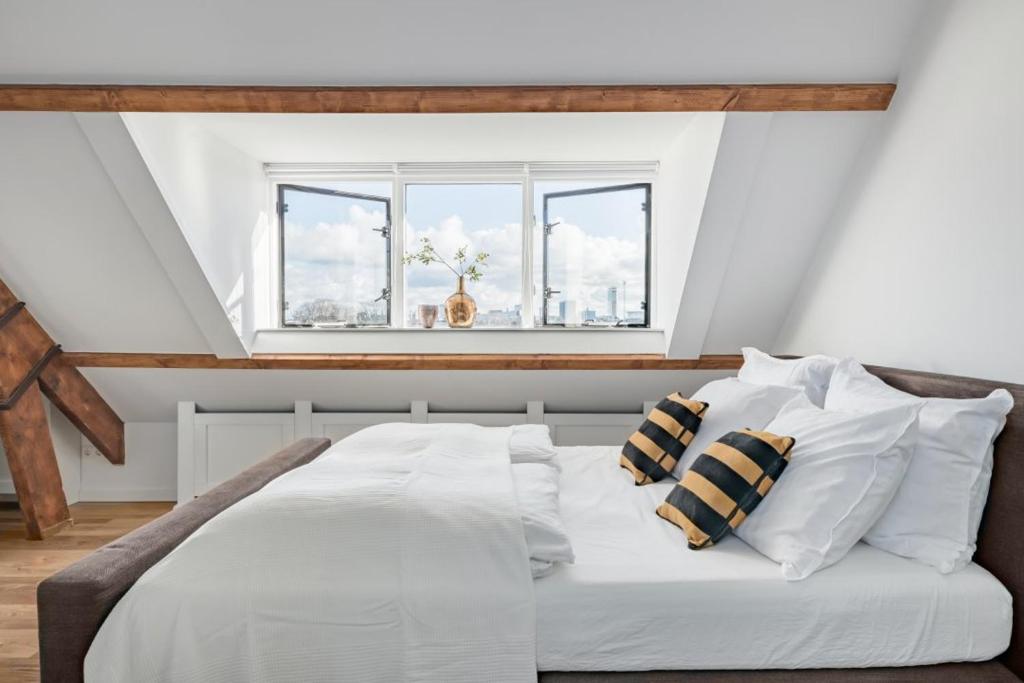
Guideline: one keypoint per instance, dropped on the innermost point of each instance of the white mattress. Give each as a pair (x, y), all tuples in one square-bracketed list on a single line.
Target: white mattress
[(638, 599)]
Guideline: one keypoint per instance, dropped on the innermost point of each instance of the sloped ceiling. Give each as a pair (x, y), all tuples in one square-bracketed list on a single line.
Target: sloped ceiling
[(71, 249), (391, 42)]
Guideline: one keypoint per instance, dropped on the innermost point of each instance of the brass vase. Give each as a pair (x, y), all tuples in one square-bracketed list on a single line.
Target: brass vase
[(460, 309)]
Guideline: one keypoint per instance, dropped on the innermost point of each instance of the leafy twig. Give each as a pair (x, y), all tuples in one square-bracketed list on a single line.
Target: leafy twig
[(427, 255)]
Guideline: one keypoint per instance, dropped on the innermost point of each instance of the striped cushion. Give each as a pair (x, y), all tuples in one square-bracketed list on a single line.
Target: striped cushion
[(655, 448), (725, 484)]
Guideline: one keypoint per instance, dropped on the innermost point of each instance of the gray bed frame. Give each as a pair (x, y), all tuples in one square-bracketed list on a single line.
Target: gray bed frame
[(74, 602)]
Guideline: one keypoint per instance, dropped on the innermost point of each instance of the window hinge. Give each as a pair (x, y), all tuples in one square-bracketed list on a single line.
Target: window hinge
[(644, 206), (385, 231), (385, 295), (548, 226), (284, 208)]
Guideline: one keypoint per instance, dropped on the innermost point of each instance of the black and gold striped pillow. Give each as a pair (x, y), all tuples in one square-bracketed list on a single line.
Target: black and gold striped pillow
[(654, 449), (725, 484)]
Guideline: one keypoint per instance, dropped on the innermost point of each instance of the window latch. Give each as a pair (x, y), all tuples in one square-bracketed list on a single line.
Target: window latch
[(548, 226), (548, 292), (385, 295), (385, 231)]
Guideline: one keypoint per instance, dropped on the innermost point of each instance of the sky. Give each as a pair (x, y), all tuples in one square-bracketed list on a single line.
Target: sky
[(331, 250)]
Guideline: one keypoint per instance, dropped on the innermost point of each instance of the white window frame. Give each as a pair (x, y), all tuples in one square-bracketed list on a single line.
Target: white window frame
[(401, 174)]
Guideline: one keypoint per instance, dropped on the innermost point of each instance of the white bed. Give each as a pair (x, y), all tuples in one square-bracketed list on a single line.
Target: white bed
[(638, 599)]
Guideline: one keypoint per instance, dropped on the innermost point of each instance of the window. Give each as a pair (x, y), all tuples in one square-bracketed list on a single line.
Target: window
[(482, 218), (560, 251), (595, 246), (335, 257)]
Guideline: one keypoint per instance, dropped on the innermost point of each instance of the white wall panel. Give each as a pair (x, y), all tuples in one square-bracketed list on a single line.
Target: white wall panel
[(921, 267), (227, 443)]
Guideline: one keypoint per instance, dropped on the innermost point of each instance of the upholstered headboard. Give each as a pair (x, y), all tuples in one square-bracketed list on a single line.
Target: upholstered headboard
[(1001, 542)]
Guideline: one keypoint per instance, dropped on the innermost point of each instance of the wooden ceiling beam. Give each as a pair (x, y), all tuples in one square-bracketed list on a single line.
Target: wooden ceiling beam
[(403, 361), (448, 99)]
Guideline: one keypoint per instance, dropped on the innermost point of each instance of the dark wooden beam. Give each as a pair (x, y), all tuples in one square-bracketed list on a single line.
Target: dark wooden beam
[(26, 437), (23, 344), (449, 99), (67, 389), (397, 361)]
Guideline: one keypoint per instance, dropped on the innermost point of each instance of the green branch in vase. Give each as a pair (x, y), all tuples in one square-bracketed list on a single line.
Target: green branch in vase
[(427, 255)]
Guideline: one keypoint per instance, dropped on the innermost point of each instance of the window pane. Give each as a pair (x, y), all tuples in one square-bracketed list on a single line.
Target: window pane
[(482, 218), (335, 257), (596, 254)]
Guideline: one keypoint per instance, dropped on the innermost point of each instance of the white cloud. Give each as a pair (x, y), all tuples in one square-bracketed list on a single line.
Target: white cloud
[(346, 262)]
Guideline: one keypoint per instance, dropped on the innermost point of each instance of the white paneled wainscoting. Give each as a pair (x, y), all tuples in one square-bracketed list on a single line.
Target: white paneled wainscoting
[(214, 446)]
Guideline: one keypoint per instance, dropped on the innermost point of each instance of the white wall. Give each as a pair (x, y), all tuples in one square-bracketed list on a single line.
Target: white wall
[(217, 195), (149, 472), (921, 267)]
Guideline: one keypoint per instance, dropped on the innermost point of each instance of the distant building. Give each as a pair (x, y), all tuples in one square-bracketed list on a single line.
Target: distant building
[(589, 315), (568, 313), (616, 302)]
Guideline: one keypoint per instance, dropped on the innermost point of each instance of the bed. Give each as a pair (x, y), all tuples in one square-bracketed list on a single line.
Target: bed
[(603, 615), (632, 576)]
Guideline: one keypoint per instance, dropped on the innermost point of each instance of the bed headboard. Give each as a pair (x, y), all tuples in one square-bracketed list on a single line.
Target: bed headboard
[(1001, 541)]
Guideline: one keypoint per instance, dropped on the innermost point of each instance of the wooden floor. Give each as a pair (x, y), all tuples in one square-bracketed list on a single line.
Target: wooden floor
[(23, 564)]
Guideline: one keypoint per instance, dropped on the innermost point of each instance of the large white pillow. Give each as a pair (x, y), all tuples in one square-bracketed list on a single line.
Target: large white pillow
[(935, 515), (531, 443), (811, 374), (537, 494), (843, 472), (732, 405)]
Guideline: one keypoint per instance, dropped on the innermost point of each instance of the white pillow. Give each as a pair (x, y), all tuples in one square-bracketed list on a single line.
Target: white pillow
[(537, 494), (935, 515), (732, 405), (842, 473), (811, 374), (531, 443)]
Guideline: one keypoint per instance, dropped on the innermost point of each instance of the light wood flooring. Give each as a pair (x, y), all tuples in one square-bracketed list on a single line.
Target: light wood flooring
[(23, 564)]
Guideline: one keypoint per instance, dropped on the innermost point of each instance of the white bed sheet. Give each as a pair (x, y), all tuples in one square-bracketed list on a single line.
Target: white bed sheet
[(638, 599)]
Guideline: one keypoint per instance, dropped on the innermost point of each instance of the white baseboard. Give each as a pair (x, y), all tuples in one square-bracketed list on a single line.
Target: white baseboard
[(127, 495)]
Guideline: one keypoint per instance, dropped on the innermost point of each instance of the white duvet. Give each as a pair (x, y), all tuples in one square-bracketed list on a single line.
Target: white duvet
[(398, 555)]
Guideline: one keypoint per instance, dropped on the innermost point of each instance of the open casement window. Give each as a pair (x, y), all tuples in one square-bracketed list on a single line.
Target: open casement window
[(596, 257), (335, 257)]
